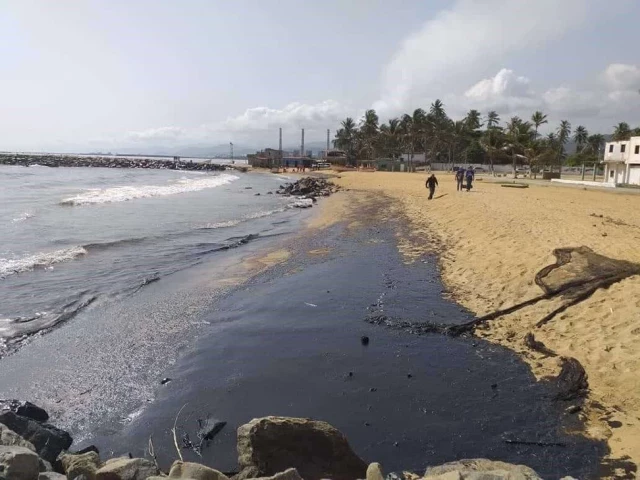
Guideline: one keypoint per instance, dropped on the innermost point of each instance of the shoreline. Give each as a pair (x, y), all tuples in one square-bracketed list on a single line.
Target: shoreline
[(490, 244)]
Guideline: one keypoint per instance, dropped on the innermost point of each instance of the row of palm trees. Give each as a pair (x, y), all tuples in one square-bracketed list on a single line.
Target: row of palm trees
[(442, 139)]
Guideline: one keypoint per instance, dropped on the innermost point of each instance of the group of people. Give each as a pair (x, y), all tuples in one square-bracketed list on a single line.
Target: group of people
[(461, 175)]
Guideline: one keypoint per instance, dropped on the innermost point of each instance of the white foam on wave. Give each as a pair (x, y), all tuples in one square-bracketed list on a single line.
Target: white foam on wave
[(22, 217), (293, 203), (10, 266), (213, 226), (125, 193)]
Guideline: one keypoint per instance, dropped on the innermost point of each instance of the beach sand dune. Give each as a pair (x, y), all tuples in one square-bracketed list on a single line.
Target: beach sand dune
[(493, 241)]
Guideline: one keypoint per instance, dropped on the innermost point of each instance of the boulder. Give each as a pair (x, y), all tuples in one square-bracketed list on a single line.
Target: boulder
[(480, 469), (48, 440), (317, 450), (18, 463), (374, 472), (194, 471), (51, 476), (86, 464), (9, 438), (25, 409), (289, 474), (125, 468)]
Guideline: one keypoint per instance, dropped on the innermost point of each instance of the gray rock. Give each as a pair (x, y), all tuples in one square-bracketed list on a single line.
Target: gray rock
[(482, 469), (125, 468), (51, 476), (18, 463), (289, 474), (269, 445), (9, 438), (374, 472), (44, 465), (86, 464), (25, 409), (48, 440), (194, 471)]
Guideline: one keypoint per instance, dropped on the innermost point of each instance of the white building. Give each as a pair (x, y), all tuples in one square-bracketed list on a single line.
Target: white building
[(622, 161)]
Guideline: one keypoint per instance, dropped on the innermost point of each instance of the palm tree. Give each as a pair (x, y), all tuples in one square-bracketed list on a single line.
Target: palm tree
[(595, 142), (345, 138), (473, 120), (580, 136), (493, 119), (369, 131), (437, 110), (391, 139), (564, 131), (538, 118), (519, 136), (622, 132)]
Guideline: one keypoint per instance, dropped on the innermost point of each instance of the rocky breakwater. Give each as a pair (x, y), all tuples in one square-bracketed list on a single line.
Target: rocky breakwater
[(111, 162), (269, 448), (307, 190)]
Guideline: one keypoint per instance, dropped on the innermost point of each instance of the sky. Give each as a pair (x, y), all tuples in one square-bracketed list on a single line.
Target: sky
[(83, 75)]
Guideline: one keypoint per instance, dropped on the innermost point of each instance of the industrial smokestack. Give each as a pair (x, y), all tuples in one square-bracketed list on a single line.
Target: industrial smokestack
[(280, 148), (328, 140), (302, 145)]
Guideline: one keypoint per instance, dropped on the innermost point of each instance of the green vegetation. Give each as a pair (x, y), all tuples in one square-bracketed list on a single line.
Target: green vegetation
[(474, 139)]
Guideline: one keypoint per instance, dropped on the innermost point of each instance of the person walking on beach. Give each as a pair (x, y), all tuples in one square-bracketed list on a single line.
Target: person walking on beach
[(469, 174), (431, 184), (459, 178)]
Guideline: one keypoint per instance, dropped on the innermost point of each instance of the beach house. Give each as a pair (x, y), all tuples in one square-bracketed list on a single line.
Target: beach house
[(622, 162)]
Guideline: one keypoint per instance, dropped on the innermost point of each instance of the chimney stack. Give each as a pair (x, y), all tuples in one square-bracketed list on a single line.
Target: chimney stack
[(328, 141), (302, 145)]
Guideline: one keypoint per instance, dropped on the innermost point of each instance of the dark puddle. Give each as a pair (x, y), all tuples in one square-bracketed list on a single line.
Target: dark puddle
[(289, 344)]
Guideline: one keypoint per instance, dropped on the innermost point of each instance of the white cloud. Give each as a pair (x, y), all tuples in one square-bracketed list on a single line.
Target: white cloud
[(505, 91), (622, 78), (568, 102), (295, 115), (158, 134), (465, 40)]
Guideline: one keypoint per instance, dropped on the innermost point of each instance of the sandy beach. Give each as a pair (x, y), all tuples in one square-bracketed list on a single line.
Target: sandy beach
[(493, 240)]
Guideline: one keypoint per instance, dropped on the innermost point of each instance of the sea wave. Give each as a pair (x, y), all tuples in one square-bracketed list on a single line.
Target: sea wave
[(10, 266), (125, 193), (22, 217)]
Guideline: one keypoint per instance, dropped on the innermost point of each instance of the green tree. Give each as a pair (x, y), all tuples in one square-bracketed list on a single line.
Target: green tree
[(391, 139), (473, 120), (538, 118), (346, 139), (518, 138), (369, 134), (580, 136), (622, 131), (493, 119), (564, 132)]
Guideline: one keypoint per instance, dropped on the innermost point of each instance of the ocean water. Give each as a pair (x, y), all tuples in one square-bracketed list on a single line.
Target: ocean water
[(71, 237)]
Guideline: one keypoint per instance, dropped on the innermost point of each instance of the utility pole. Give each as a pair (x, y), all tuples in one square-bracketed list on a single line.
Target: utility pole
[(327, 153), (280, 149)]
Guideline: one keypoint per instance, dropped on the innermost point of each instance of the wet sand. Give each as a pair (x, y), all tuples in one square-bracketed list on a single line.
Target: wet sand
[(493, 240), (288, 342)]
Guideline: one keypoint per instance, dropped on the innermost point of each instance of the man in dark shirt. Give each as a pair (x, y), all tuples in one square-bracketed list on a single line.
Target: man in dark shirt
[(431, 184)]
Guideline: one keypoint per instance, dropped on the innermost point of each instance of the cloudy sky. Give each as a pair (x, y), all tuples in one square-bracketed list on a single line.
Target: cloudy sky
[(78, 75)]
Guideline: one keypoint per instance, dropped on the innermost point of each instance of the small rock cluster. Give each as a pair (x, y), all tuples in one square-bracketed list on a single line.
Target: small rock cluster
[(109, 162), (309, 187), (269, 448)]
